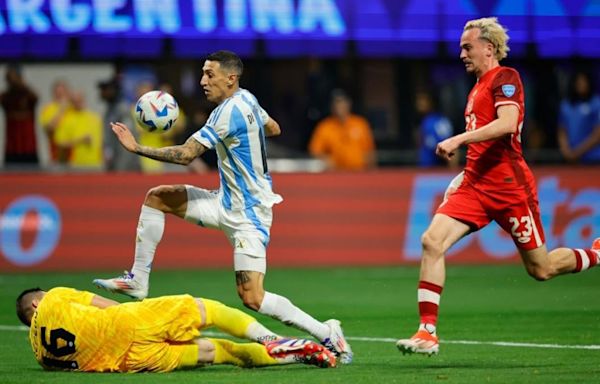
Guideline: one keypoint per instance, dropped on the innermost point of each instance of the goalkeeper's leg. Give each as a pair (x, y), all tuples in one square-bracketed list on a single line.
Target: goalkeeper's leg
[(286, 351), (234, 322)]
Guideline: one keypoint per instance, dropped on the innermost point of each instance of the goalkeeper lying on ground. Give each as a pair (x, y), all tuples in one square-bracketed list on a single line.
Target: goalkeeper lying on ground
[(81, 331)]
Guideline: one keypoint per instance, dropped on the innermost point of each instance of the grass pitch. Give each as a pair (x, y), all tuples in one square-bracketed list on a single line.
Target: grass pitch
[(496, 324)]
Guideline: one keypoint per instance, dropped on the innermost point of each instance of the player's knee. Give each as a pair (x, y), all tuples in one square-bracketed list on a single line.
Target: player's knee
[(165, 197), (431, 244), (540, 273), (251, 303), (154, 197)]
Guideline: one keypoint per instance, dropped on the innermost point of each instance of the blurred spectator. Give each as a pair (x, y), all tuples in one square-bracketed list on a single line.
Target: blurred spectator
[(433, 127), (52, 118), (579, 125), (18, 102), (117, 109), (81, 136), (343, 139)]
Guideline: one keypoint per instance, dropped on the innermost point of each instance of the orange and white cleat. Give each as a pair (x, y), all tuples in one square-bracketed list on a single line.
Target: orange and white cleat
[(596, 244), (301, 351), (422, 342)]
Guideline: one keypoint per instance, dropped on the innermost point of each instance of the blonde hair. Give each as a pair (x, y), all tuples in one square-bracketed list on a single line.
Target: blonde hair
[(492, 31)]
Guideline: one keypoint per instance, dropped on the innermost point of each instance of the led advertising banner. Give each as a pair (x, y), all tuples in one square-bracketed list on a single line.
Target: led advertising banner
[(84, 222), (280, 28)]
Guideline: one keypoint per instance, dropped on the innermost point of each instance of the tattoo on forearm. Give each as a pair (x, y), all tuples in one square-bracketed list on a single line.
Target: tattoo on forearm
[(242, 277), (175, 154)]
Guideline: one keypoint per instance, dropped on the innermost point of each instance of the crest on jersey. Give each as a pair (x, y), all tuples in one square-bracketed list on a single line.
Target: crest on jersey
[(508, 90)]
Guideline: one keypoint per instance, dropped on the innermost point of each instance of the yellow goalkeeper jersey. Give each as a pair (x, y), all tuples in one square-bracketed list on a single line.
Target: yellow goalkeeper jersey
[(67, 332), (157, 334)]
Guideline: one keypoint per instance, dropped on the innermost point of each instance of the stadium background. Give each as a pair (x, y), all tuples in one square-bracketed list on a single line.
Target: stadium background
[(295, 52)]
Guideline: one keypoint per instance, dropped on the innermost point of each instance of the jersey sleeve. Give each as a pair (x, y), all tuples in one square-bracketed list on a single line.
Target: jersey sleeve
[(216, 129), (264, 116), (506, 88)]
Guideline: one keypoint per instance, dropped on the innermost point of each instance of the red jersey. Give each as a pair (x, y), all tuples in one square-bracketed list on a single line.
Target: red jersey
[(499, 163), (498, 184)]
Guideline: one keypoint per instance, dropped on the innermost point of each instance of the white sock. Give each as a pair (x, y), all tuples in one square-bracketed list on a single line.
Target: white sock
[(282, 309), (259, 333), (151, 226)]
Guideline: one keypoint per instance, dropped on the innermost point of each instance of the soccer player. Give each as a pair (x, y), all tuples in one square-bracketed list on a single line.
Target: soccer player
[(241, 208), (79, 331), (497, 183)]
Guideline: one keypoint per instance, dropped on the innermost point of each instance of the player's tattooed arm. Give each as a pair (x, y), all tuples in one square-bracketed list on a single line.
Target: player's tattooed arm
[(177, 154)]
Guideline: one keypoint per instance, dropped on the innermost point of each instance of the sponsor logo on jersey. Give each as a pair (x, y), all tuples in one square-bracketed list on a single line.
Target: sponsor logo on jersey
[(508, 90)]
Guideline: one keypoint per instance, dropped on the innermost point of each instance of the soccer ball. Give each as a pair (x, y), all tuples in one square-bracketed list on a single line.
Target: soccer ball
[(156, 111)]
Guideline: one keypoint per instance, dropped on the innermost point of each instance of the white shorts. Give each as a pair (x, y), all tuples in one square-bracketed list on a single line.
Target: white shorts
[(247, 230)]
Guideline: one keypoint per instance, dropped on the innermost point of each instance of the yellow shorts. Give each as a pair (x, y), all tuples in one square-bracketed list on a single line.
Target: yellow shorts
[(165, 333)]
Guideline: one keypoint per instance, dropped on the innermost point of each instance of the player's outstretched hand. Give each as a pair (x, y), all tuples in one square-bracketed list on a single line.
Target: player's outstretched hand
[(124, 135)]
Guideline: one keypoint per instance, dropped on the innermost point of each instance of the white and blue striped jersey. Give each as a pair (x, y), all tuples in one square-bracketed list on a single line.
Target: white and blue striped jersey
[(235, 129)]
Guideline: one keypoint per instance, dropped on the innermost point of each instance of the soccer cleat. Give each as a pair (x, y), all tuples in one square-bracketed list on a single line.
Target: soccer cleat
[(302, 351), (125, 285), (336, 342), (596, 244), (422, 342)]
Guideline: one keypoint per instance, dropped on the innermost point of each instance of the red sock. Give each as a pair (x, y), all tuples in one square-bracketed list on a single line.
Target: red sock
[(429, 300), (585, 258)]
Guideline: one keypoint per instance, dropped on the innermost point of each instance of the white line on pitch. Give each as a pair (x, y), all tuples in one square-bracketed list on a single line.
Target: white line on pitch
[(13, 328), (495, 343), (390, 340)]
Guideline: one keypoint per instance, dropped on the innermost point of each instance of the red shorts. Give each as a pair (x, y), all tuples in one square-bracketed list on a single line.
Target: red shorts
[(516, 211)]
